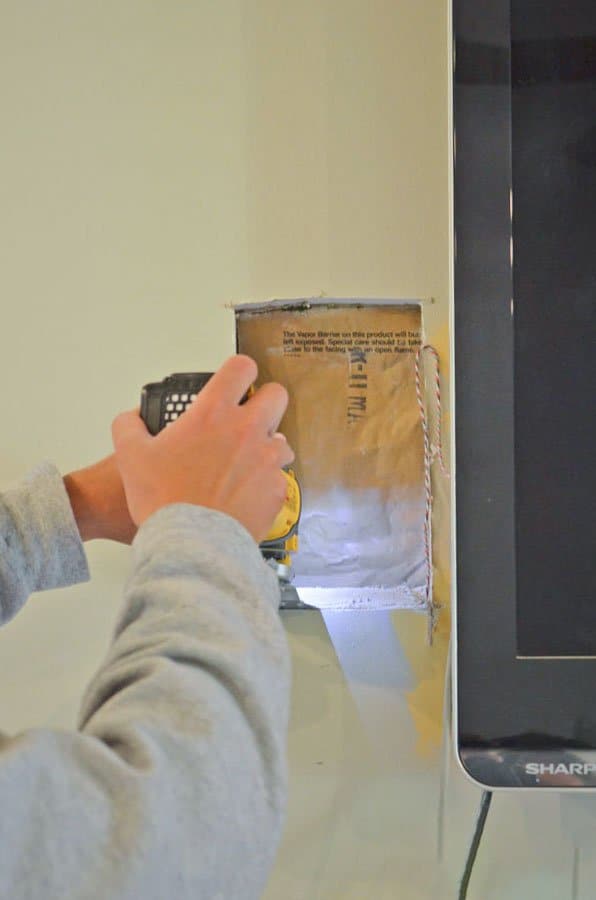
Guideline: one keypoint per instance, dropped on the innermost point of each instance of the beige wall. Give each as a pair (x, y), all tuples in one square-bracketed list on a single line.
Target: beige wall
[(159, 161)]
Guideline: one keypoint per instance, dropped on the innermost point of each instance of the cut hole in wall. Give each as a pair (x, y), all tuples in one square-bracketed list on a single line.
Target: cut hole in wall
[(354, 424)]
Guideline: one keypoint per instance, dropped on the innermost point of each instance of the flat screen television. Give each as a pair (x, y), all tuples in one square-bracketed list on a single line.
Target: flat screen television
[(524, 432)]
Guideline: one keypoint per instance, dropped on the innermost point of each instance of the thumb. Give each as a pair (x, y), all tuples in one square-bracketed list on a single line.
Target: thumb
[(128, 427)]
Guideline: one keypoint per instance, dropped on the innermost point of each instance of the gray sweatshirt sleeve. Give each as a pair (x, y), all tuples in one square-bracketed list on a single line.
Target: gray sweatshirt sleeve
[(174, 784), (40, 544)]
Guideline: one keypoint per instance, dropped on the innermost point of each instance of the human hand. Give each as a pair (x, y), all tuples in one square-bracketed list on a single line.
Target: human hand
[(98, 502), (217, 454)]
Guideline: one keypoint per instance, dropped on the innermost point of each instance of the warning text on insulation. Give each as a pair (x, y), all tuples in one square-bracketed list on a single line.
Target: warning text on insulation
[(297, 342)]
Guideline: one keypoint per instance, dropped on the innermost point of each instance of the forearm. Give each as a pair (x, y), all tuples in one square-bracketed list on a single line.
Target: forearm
[(98, 502), (81, 502)]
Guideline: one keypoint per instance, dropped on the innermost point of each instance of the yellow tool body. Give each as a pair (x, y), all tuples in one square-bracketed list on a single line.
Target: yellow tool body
[(282, 538)]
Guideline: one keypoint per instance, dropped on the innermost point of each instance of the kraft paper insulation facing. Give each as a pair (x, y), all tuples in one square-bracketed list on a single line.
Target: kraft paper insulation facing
[(354, 423)]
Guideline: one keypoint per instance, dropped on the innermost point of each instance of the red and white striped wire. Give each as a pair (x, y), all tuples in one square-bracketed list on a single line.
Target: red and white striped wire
[(432, 451)]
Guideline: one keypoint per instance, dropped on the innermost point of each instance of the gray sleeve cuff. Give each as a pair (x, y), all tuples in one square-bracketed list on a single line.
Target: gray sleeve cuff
[(40, 544)]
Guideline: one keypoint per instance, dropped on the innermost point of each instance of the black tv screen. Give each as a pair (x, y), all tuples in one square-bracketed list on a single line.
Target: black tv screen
[(524, 430), (553, 128)]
